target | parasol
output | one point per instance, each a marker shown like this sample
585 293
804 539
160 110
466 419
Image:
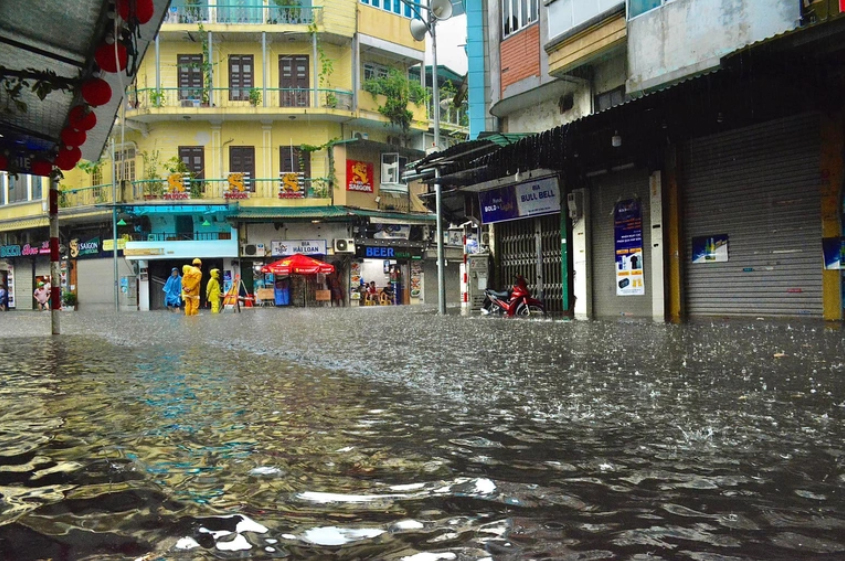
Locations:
298 264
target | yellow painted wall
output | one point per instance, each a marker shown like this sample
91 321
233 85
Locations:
338 17
588 45
393 28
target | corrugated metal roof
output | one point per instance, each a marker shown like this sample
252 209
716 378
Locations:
331 213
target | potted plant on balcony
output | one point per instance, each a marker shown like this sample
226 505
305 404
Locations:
176 165
254 97
157 98
399 91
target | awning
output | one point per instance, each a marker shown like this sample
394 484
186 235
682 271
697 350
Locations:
53 44
328 214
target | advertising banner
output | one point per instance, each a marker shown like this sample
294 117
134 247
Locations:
834 253
359 176
628 237
305 247
512 202
710 249
81 249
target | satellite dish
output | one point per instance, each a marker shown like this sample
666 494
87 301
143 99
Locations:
418 29
441 9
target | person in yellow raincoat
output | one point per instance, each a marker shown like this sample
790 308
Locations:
191 280
212 291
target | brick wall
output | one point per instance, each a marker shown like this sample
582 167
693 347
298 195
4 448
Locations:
520 56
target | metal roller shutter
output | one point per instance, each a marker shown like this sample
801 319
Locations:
95 282
760 186
606 191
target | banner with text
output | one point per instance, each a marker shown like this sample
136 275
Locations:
521 200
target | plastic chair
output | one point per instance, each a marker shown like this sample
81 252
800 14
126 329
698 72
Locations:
384 300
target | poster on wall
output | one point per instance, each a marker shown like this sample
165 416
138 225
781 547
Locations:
628 237
416 279
359 176
354 279
834 252
392 232
710 249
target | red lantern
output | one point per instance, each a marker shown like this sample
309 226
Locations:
96 92
42 168
81 119
68 157
4 162
143 10
72 137
105 57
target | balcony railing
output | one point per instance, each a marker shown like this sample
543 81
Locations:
190 98
177 237
85 196
198 11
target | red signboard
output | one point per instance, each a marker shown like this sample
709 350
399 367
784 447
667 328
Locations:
359 176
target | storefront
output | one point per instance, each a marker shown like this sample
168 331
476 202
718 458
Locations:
526 227
394 265
752 220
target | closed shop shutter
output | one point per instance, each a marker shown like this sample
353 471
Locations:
605 192
760 186
95 282
23 285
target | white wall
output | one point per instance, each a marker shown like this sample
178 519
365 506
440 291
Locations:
684 37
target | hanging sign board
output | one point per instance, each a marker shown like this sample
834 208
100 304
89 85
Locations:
359 176
305 247
521 200
628 237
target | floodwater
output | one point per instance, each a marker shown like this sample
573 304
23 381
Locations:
396 434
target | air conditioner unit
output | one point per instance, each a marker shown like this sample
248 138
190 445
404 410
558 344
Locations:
358 135
485 239
252 250
344 245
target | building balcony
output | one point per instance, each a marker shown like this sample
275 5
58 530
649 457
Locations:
212 101
193 12
176 236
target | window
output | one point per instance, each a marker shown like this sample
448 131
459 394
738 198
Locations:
194 159
18 188
240 77
190 76
398 7
374 71
37 184
392 165
97 176
124 162
294 159
242 160
294 81
637 7
564 15
607 100
518 14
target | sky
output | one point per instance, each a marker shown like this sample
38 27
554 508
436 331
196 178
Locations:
451 38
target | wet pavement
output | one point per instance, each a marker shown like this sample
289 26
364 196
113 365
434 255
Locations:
395 434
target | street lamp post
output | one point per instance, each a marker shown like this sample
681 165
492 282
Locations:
437 10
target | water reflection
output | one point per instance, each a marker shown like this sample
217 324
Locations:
396 434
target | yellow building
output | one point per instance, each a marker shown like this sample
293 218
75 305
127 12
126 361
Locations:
247 134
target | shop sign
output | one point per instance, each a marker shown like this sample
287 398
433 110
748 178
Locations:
27 250
386 252
305 247
236 187
834 253
143 251
80 249
176 187
628 237
392 231
515 201
108 244
710 249
291 185
359 176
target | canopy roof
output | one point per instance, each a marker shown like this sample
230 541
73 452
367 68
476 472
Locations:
298 264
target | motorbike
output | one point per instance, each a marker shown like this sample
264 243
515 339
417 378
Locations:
515 302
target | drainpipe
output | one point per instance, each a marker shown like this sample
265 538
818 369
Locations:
55 272
264 66
316 70
158 67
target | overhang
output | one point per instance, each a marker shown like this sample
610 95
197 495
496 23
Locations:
53 44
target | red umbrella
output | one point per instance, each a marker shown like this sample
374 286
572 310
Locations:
298 264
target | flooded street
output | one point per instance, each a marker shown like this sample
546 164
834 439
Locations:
395 434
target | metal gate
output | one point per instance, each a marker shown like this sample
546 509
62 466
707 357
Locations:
95 283
605 192
531 248
759 186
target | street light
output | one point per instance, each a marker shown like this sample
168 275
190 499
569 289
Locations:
438 10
